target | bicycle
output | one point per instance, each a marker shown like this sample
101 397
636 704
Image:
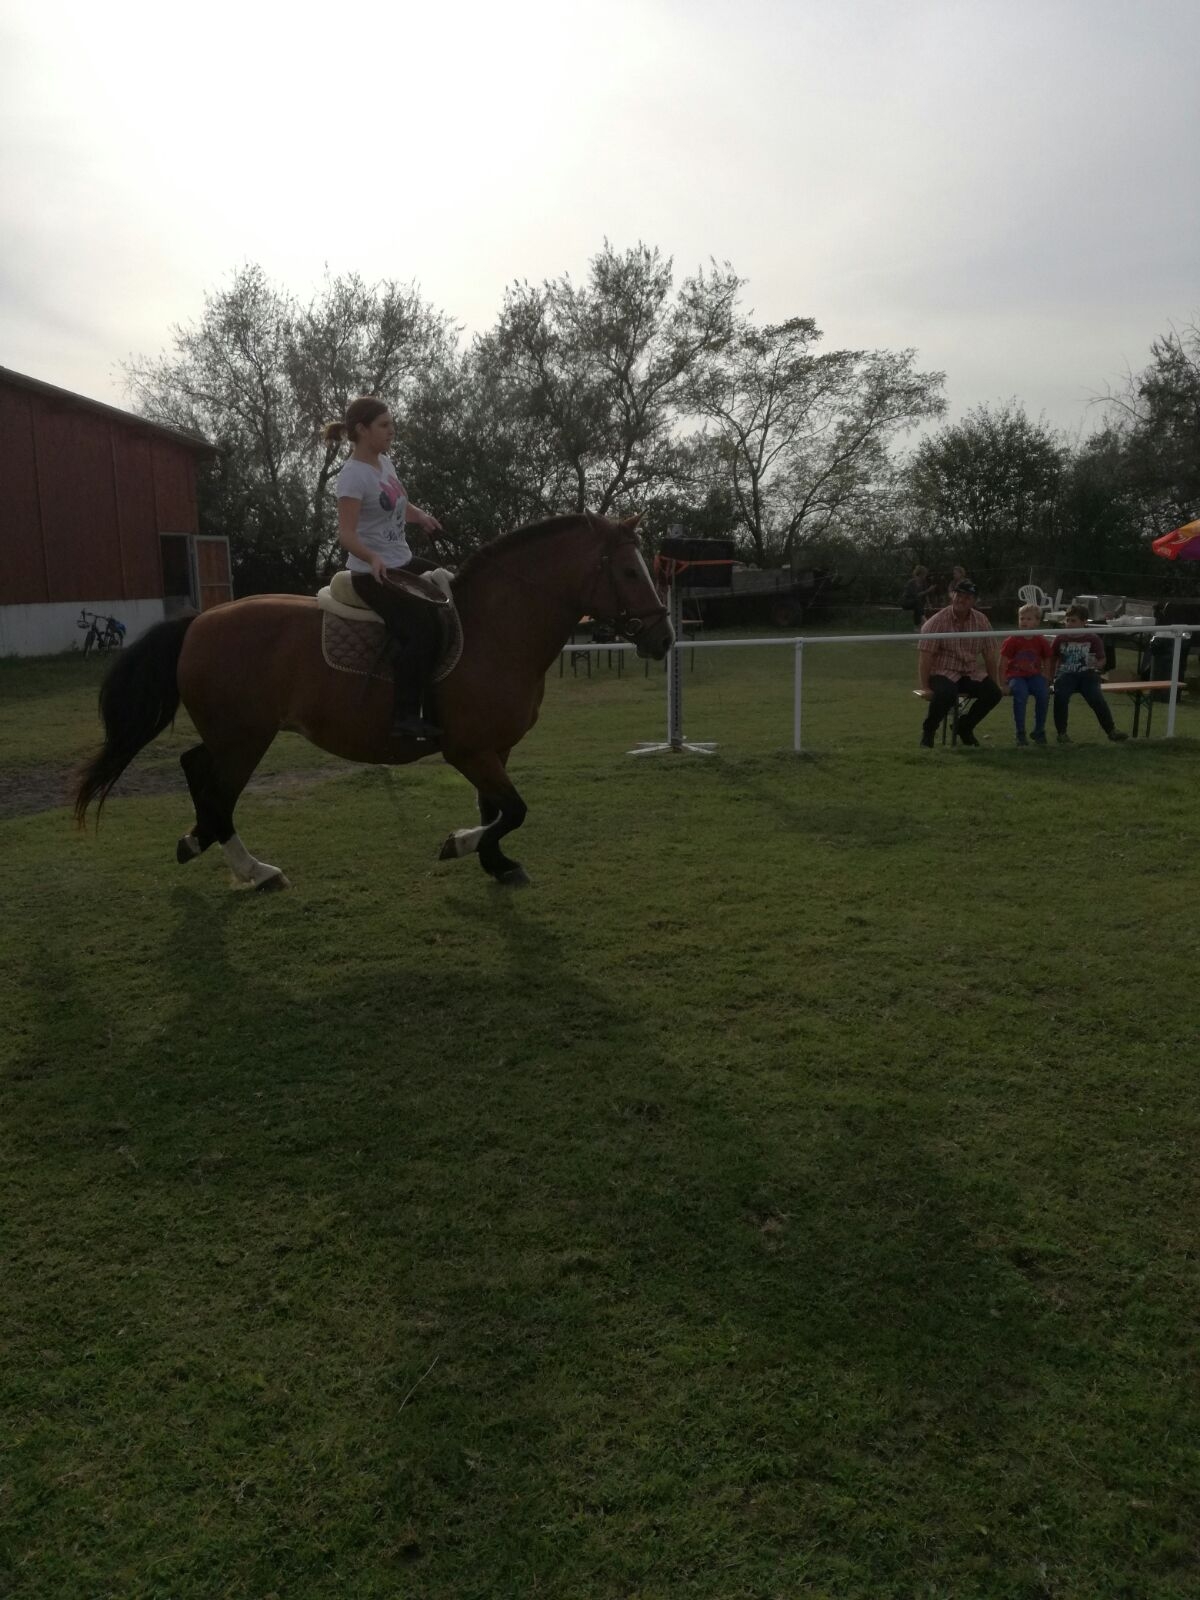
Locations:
109 637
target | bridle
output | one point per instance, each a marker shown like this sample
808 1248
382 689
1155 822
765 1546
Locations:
628 624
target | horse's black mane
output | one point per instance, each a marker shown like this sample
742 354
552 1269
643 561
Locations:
486 554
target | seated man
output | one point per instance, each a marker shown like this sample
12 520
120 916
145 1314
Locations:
950 667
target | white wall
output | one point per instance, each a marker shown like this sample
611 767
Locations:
48 630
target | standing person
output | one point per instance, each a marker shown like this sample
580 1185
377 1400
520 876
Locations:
948 668
373 511
916 593
1079 659
1024 659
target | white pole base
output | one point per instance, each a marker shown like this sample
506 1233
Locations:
702 749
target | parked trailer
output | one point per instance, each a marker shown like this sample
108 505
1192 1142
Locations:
769 596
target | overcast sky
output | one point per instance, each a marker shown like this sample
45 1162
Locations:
1010 188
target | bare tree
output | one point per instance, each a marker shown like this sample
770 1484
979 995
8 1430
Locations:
600 369
802 437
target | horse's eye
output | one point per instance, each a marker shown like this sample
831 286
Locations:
631 572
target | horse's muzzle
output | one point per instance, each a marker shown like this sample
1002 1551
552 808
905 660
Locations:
656 640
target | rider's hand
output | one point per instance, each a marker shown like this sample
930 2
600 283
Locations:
379 568
432 525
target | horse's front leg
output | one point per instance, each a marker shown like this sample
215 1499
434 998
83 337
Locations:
466 841
501 810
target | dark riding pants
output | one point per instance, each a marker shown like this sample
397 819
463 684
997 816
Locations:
412 624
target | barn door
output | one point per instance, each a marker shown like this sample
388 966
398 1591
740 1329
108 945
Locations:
176 552
214 583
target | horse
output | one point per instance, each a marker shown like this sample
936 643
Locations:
251 668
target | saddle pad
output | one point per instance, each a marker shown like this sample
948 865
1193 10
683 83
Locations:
355 647
360 647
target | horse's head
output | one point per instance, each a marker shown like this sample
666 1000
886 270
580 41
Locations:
623 593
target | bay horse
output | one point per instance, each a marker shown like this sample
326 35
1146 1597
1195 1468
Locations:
250 668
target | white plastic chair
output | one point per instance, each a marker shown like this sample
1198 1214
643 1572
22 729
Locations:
1031 594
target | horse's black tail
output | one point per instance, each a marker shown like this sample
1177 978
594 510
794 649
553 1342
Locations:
138 698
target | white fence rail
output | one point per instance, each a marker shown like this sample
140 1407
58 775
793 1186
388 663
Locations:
798 643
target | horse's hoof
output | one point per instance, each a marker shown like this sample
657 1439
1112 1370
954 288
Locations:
272 884
187 849
448 852
514 878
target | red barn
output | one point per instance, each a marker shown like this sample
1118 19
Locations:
97 513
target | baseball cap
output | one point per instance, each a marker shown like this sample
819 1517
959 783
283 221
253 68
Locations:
965 586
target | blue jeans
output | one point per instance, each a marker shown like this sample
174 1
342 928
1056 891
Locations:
1026 689
1088 685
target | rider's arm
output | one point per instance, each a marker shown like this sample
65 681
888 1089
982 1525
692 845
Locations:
421 519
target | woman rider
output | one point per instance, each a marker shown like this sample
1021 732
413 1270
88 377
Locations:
373 509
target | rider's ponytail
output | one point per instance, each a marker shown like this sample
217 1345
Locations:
360 413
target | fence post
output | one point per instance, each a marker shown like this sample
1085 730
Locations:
1176 653
798 694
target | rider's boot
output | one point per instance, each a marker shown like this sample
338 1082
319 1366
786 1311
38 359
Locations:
410 684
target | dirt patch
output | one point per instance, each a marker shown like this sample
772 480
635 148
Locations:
47 788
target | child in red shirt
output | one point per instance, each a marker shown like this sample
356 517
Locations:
1024 658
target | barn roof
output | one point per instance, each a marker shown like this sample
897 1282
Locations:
81 402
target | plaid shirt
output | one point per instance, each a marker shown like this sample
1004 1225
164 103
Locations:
956 658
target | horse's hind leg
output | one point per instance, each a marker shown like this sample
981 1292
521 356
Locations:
197 769
216 780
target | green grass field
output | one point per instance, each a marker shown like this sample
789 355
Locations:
794 1193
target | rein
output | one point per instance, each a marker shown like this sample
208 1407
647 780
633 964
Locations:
628 624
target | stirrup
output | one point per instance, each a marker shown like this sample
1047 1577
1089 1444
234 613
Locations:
411 725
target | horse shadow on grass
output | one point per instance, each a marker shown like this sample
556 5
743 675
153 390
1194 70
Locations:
829 808
589 1283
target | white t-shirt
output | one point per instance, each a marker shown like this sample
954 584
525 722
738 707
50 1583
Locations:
381 519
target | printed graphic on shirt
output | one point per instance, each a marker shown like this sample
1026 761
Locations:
380 525
1074 655
1023 658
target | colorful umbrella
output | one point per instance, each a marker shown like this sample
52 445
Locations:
1183 544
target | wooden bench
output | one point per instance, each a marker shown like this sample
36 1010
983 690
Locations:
1142 691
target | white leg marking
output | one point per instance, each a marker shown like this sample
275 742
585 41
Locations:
467 840
244 865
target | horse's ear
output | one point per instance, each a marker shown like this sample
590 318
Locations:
630 523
